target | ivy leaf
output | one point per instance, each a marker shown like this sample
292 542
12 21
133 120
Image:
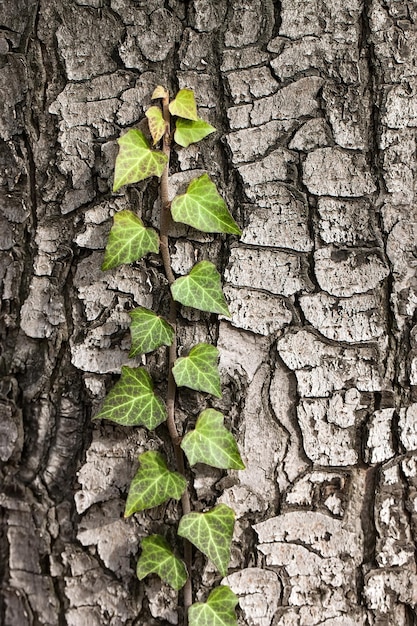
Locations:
132 401
199 370
212 443
201 289
156 123
136 160
129 240
211 533
219 610
190 131
153 484
184 105
149 331
159 92
202 207
158 558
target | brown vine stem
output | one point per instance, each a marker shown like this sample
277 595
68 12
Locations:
165 220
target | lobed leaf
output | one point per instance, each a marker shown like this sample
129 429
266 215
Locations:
136 160
191 131
159 92
219 610
158 558
199 370
156 123
148 331
132 401
202 207
211 443
184 105
129 240
153 484
211 533
201 289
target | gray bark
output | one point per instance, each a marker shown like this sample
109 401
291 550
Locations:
316 107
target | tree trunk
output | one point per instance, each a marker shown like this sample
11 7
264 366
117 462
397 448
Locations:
316 107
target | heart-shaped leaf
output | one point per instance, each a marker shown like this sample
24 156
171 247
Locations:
129 240
132 401
149 331
202 207
212 443
158 558
184 105
156 123
136 160
219 610
159 92
199 370
190 131
211 533
201 289
153 484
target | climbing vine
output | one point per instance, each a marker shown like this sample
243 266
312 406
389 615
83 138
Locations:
133 401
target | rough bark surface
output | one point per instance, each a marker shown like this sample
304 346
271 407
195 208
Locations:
316 104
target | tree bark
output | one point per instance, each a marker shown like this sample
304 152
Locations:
315 103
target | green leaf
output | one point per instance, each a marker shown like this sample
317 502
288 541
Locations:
136 160
132 401
149 331
158 558
128 240
212 443
219 610
156 123
184 105
159 92
199 370
189 131
202 207
153 484
201 289
211 533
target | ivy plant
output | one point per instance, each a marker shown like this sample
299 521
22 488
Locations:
133 400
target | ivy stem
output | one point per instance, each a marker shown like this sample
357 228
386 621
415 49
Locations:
165 221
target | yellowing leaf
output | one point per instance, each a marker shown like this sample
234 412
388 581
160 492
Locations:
189 131
159 92
156 123
136 160
184 105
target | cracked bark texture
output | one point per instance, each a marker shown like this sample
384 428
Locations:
316 106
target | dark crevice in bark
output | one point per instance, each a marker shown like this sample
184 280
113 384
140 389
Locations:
277 6
368 526
408 507
410 615
31 248
4 560
377 94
